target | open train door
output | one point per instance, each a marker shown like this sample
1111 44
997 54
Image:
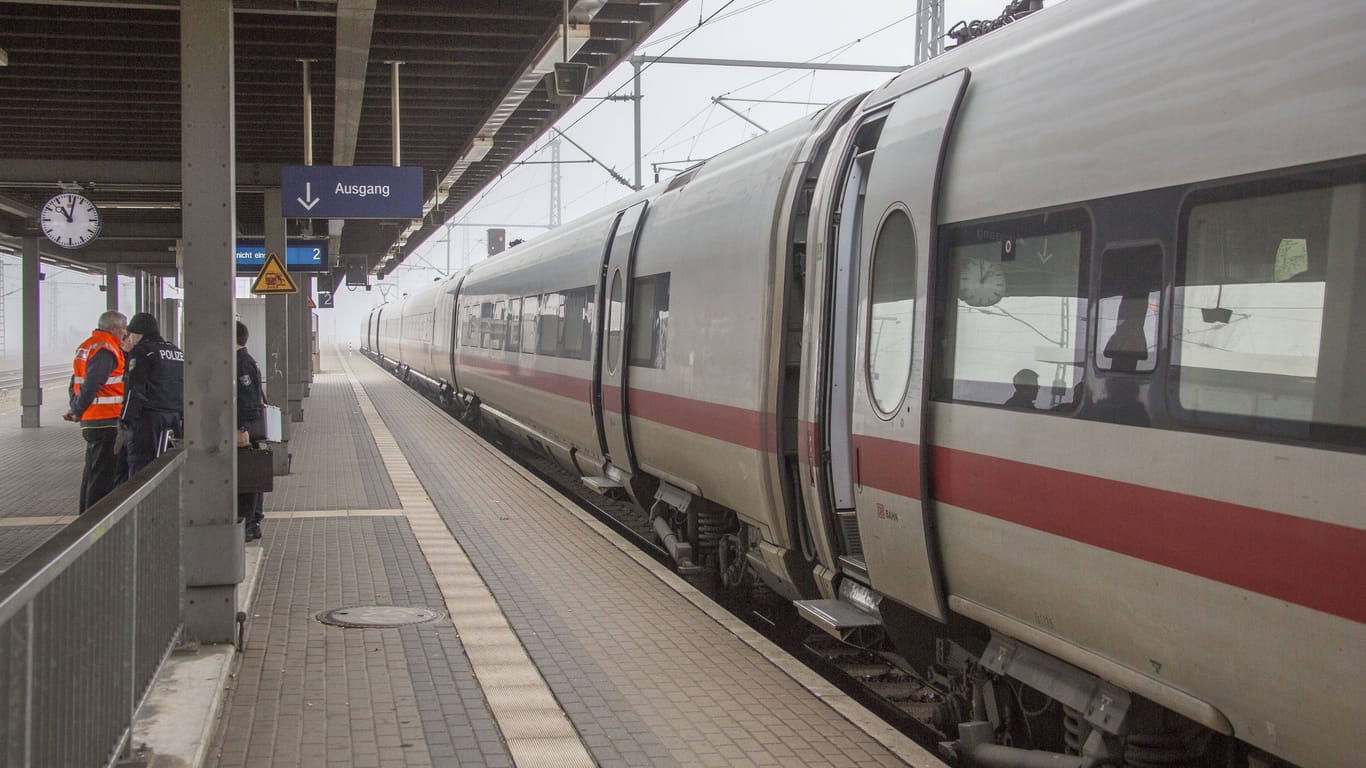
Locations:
889 384
610 386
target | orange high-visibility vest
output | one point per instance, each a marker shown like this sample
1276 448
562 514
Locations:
108 402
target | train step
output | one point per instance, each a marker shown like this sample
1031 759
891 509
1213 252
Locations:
605 486
847 622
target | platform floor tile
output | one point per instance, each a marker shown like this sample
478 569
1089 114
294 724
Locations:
645 676
335 463
309 694
41 466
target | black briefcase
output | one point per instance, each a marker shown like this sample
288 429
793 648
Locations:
255 470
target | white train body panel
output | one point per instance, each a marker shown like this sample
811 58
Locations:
1181 527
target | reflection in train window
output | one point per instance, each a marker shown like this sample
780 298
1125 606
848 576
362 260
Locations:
649 320
548 329
578 324
470 329
1015 312
891 316
530 305
1270 308
1127 309
514 325
615 318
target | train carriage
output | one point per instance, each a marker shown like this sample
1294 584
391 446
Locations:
1036 362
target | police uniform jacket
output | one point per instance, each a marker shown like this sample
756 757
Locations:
249 397
155 378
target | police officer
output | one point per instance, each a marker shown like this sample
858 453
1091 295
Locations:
154 403
96 400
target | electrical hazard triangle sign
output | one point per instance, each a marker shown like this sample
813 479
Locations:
273 279
311 305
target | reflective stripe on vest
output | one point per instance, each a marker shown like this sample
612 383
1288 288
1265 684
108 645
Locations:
108 402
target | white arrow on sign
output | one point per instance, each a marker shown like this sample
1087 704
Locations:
308 193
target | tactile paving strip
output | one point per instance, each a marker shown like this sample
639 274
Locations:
534 725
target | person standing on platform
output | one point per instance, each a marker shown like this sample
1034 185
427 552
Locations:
153 407
96 402
250 402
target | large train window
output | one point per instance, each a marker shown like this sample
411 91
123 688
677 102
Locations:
616 310
578 324
891 311
530 307
514 326
649 320
548 329
1014 311
1269 334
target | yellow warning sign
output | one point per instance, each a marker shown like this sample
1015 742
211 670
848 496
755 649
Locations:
273 278
311 305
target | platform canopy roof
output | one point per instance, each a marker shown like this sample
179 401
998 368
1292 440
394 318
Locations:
89 95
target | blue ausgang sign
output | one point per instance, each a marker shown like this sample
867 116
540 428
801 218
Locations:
305 254
350 192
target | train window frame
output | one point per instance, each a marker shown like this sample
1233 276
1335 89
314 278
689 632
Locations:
1285 181
1075 219
883 412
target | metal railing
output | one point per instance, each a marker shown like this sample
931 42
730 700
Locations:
86 620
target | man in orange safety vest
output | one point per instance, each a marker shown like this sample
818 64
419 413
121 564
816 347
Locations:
96 402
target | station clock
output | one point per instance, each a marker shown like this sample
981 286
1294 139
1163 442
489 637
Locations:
70 220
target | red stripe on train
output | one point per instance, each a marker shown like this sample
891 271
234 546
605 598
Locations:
1307 562
560 384
888 465
738 426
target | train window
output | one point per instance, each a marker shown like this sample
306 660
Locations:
1127 308
1270 308
490 334
615 318
530 306
649 320
578 323
891 311
514 326
548 329
470 337
1015 312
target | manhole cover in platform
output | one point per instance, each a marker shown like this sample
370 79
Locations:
378 616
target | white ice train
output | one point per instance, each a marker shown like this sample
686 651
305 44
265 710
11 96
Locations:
1045 363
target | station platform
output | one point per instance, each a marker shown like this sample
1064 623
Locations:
42 467
556 643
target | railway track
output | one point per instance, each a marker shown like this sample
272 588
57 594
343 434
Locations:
48 374
872 678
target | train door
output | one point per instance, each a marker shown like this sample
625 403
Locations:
610 370
888 378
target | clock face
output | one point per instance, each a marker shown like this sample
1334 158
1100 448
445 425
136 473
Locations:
982 283
70 220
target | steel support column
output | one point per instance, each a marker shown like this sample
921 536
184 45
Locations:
277 318
31 394
295 354
111 287
213 544
139 291
306 331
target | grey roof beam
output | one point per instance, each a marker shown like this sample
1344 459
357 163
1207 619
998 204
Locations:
50 171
